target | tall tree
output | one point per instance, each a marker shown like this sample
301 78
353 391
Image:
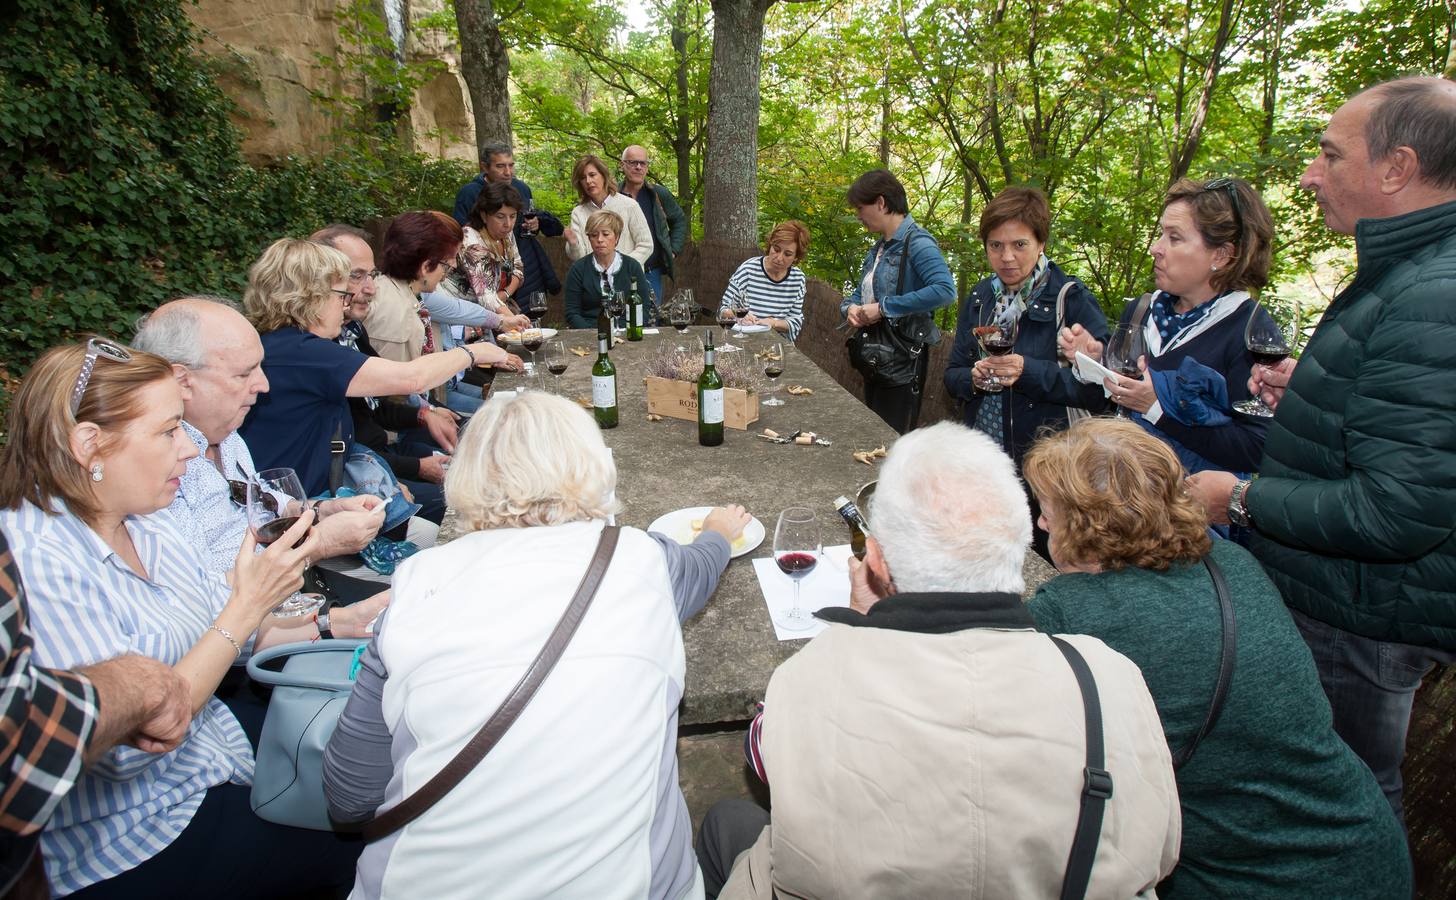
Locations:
730 177
485 65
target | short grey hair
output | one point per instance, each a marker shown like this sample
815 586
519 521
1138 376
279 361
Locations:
176 335
950 514
329 234
490 151
1418 112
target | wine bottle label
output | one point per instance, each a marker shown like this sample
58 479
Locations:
604 391
711 408
637 314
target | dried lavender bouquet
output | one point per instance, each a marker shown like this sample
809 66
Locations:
738 370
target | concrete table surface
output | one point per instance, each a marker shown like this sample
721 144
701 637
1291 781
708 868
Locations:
731 647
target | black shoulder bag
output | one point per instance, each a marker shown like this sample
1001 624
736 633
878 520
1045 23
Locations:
887 352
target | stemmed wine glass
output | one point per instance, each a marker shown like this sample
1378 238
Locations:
797 548
773 367
275 501
680 314
556 360
996 332
536 306
532 339
1124 348
616 308
727 318
1270 344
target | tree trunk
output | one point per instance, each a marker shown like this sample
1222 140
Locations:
682 143
885 111
730 177
486 68
1191 138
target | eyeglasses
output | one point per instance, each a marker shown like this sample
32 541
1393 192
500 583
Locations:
635 163
358 276
94 348
347 295
1230 185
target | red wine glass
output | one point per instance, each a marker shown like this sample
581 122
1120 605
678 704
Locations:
797 548
1124 348
1269 344
275 501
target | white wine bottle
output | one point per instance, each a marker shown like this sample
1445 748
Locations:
710 399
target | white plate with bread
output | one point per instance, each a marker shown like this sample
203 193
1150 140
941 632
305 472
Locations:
684 526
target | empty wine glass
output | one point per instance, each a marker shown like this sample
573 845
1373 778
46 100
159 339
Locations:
797 548
996 328
275 501
556 362
616 308
773 367
1270 344
1124 348
726 320
680 314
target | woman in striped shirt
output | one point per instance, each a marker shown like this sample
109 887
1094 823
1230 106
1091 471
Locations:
773 284
95 456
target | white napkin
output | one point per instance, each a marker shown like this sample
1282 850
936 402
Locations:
1090 371
827 585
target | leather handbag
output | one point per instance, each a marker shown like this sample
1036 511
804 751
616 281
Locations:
309 692
887 353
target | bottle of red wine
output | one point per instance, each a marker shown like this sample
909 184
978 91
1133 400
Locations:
710 399
604 386
636 311
856 523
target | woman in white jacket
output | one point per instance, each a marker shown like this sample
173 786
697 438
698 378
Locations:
597 191
580 798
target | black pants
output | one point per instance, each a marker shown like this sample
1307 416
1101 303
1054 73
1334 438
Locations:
900 406
729 828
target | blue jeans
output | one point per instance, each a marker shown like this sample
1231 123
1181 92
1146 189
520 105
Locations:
1372 686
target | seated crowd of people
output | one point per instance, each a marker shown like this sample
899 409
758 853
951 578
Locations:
1227 584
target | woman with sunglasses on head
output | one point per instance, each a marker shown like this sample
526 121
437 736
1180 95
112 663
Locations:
1214 247
95 455
296 296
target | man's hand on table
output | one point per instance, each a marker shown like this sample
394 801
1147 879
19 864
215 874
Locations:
728 521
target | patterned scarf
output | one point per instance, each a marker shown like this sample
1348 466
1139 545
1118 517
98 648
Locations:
989 416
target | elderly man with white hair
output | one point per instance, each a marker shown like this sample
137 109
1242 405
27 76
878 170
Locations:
931 743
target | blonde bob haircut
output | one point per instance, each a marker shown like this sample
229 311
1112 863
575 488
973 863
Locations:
794 233
290 283
37 465
531 459
1118 495
605 219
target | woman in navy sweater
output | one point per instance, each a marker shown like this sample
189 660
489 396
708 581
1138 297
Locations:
1214 246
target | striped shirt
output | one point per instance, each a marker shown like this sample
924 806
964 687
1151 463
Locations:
768 298
87 605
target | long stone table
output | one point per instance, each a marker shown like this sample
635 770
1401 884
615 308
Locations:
731 647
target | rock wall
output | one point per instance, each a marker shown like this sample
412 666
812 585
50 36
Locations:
266 49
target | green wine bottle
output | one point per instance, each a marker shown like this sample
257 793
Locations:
710 399
636 310
604 386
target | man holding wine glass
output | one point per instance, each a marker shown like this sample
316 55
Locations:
1351 514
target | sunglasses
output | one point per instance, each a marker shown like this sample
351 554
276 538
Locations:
95 348
238 493
1231 186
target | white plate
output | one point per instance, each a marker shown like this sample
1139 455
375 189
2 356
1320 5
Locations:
751 329
679 526
514 337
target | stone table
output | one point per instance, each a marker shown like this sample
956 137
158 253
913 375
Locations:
731 647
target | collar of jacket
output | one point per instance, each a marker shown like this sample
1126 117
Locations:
936 613
1398 236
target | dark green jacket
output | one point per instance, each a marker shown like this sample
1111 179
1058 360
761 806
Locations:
671 225
1356 502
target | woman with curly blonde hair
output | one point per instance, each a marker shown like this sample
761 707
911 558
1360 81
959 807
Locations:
1274 803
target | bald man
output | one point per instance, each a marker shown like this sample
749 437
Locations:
668 223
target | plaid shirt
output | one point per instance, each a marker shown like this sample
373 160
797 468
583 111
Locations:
47 717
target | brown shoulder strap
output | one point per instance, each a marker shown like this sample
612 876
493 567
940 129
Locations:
413 806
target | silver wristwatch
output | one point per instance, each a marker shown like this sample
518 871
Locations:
323 622
1238 513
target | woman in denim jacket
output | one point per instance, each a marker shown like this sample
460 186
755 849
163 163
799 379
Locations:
886 293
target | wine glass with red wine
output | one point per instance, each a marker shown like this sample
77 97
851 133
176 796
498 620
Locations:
773 367
797 548
680 314
556 360
536 307
727 318
1124 348
1270 344
996 332
275 501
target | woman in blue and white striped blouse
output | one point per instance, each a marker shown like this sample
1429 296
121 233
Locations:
95 456
773 284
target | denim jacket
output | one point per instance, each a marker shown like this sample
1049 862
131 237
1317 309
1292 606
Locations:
928 283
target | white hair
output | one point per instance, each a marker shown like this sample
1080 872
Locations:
950 514
532 459
173 330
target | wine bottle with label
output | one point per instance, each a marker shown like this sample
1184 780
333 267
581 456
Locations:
636 309
604 386
710 399
850 513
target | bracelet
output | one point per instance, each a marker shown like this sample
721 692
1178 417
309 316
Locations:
230 639
468 353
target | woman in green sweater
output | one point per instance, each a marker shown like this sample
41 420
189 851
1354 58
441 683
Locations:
1275 805
602 272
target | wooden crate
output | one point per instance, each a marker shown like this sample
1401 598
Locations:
679 399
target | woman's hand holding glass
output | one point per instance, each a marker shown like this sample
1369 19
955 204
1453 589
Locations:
1002 370
262 580
1135 394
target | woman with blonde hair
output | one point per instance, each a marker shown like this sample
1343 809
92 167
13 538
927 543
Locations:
1274 803
296 296
605 271
772 285
580 797
597 190
96 453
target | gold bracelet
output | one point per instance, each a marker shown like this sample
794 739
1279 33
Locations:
230 639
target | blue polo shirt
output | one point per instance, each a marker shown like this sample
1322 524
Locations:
293 424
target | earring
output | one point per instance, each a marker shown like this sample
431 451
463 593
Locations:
96 471
1213 268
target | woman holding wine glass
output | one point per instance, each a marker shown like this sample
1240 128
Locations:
1214 247
95 455
593 279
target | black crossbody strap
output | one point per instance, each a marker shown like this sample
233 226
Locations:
1096 781
337 449
1227 652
